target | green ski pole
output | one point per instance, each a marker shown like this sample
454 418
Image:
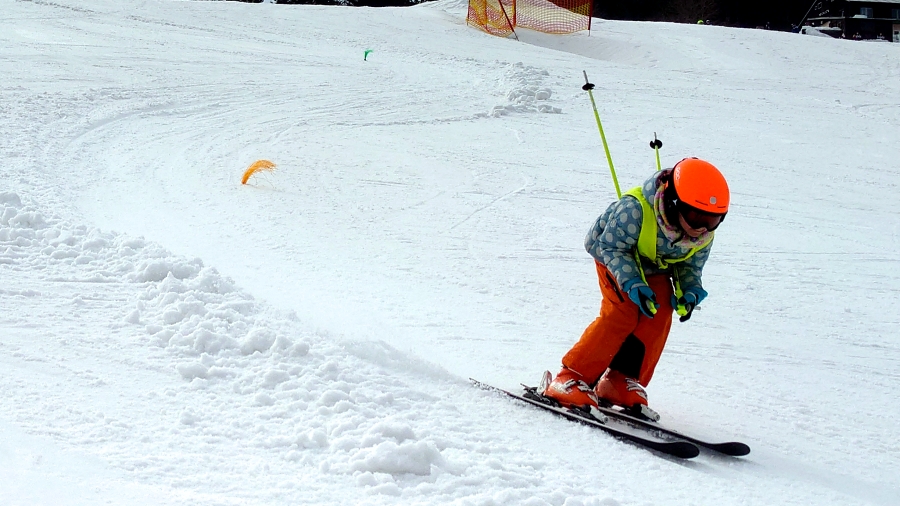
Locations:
588 87
656 144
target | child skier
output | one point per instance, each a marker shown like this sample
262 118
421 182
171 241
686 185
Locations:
649 248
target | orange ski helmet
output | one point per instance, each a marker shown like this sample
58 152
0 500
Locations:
699 184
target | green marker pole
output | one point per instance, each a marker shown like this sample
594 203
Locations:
366 54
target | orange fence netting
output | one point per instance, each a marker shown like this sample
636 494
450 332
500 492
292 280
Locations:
501 17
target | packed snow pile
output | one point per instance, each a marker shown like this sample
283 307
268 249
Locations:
230 388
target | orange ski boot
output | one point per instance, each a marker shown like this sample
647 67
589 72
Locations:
619 390
569 389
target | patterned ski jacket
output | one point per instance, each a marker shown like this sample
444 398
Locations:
612 241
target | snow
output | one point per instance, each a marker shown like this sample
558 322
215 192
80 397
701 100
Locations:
170 336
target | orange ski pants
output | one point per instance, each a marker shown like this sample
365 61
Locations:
619 318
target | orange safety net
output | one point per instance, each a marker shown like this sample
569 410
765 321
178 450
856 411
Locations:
501 17
496 17
556 16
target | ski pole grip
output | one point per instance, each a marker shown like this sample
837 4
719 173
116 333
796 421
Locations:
588 86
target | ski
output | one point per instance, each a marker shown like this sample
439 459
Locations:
731 448
676 448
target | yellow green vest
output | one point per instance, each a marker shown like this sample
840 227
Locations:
649 231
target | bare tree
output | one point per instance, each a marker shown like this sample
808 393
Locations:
691 11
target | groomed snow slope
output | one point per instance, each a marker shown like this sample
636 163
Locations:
169 336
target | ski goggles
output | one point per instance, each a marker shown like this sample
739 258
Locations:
698 219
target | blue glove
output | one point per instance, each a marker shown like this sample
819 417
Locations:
643 297
698 292
688 301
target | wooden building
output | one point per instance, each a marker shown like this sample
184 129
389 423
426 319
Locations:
857 19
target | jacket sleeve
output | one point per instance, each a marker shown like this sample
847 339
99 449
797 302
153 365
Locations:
690 271
613 239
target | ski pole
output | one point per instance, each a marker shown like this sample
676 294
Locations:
588 86
656 144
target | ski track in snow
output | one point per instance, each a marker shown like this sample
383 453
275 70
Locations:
424 225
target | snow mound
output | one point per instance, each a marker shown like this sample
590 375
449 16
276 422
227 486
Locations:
525 91
200 373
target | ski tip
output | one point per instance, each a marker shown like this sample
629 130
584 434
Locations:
734 448
682 449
